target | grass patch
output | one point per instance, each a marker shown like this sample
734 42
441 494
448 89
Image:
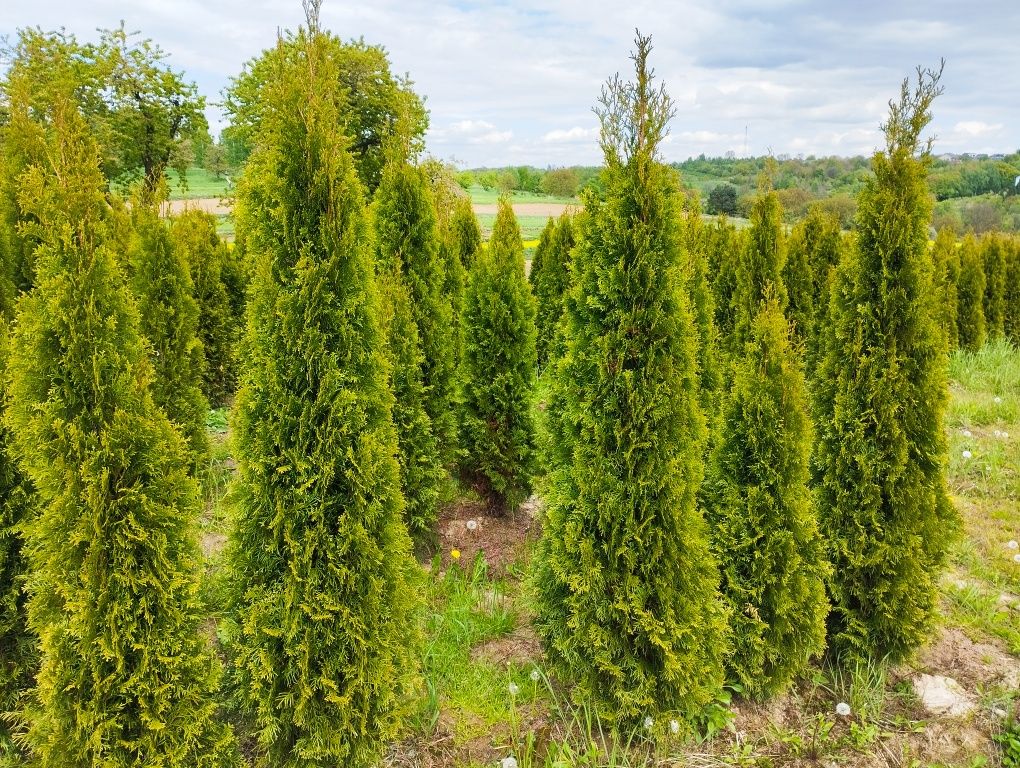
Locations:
483 196
199 183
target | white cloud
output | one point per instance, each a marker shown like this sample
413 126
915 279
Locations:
577 133
976 128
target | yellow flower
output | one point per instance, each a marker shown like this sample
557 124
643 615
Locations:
455 554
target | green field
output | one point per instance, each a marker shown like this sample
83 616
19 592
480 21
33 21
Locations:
200 184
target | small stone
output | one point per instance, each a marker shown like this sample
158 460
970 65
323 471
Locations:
998 712
942 695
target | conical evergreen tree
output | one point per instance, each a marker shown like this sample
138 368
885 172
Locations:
408 240
764 525
126 678
947 273
203 253
323 627
818 234
970 293
884 507
169 322
421 472
498 376
448 198
723 244
800 286
626 588
993 256
550 276
762 263
1011 322
467 234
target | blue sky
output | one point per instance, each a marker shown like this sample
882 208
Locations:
514 82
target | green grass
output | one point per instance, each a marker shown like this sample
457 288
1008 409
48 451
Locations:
531 226
200 184
483 196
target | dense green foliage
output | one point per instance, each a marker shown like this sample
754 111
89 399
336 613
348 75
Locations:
549 278
993 257
377 106
408 242
169 319
799 281
761 265
881 454
498 370
970 293
457 244
627 598
946 258
323 626
205 255
764 529
126 677
140 112
722 245
1012 297
695 242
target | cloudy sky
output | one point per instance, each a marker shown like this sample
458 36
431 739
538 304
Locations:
513 82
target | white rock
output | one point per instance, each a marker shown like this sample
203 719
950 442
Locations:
942 695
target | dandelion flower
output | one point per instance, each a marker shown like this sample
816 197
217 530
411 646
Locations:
455 554
967 433
998 400
674 727
1016 558
1005 435
649 722
843 709
514 690
967 454
1012 544
508 762
535 675
997 433
471 524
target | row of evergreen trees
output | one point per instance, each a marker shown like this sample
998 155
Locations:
690 536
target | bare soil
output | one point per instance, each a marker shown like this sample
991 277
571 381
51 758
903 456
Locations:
501 538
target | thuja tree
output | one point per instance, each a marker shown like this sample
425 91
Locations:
421 472
498 371
126 677
763 521
881 453
203 253
550 276
993 256
408 241
627 596
17 644
722 247
169 318
1011 323
800 288
947 274
818 236
466 232
322 626
970 293
761 263
448 199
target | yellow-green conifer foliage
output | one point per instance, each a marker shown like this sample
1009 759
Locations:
408 241
498 372
763 520
164 290
946 257
549 277
993 256
884 507
323 628
1011 322
126 677
761 264
817 237
628 605
970 295
205 255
